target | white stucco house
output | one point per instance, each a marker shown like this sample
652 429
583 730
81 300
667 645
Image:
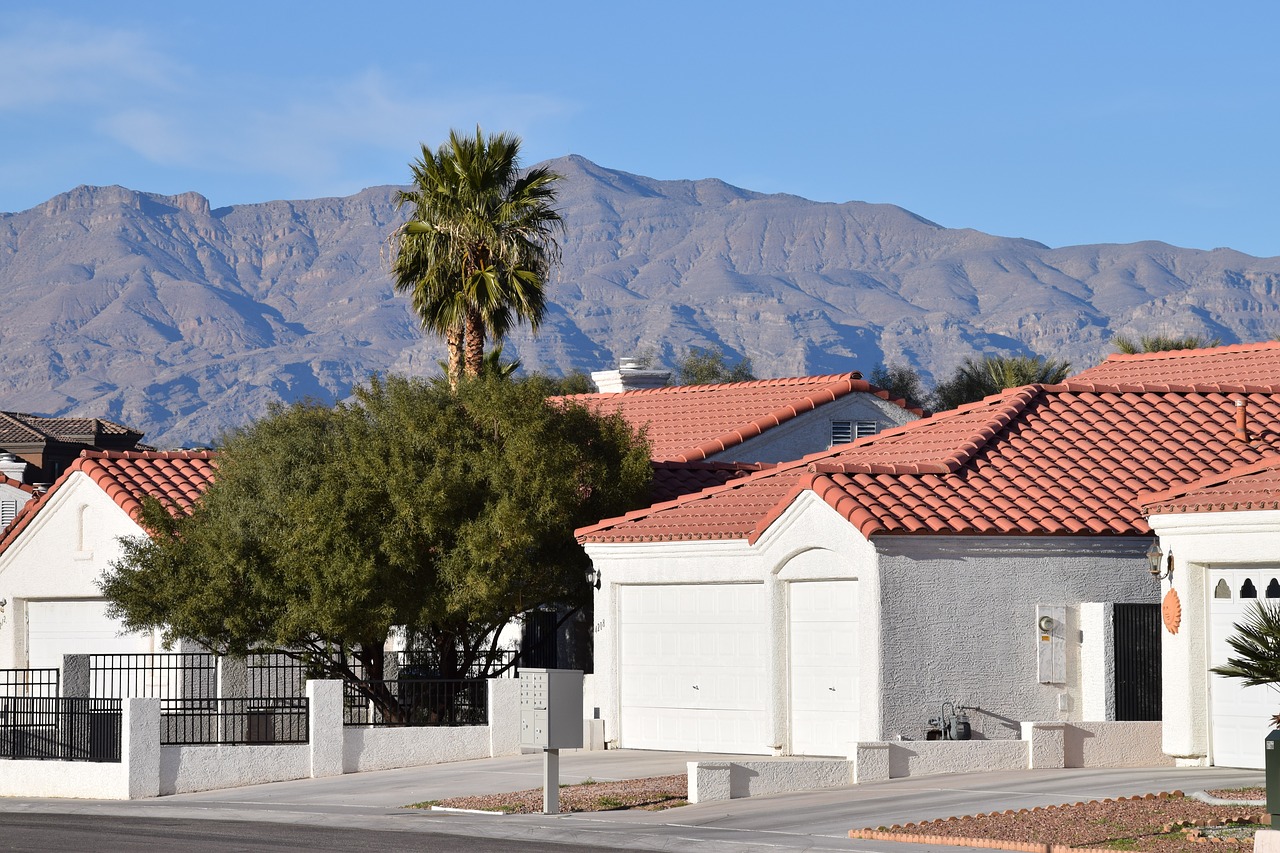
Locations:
988 557
60 544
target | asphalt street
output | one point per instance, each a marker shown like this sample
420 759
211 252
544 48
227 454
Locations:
322 813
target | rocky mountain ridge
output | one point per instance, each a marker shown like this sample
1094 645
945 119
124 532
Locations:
182 320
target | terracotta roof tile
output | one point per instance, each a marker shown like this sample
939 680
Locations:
674 479
1244 487
1058 459
175 478
689 423
1242 368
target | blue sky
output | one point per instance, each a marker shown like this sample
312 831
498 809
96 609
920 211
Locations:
1066 123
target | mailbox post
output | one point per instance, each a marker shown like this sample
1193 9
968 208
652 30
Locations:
551 720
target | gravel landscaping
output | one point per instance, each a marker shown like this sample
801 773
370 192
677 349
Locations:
1167 823
652 794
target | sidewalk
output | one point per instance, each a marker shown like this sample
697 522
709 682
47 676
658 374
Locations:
805 821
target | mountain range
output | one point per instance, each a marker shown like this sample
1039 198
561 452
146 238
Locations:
181 320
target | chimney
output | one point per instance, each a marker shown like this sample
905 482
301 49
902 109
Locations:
629 376
13 467
1242 420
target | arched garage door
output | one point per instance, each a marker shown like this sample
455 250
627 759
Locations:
1240 717
691 668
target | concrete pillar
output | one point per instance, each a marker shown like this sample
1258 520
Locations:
75 676
504 716
775 667
140 746
233 677
1184 659
1097 662
325 724
871 762
1047 745
709 781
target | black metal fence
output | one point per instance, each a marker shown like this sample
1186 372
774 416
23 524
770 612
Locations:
42 727
170 675
419 663
207 722
417 702
29 682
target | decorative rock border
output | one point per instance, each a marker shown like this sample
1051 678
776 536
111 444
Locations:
925 837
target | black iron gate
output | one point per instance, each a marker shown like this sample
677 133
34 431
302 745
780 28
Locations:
1136 632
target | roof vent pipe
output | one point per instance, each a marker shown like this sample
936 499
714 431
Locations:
1242 420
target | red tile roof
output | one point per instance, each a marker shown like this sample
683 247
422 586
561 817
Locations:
689 423
22 428
673 479
1240 366
1245 487
175 478
1062 459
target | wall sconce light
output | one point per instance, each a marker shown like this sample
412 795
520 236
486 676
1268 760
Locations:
593 577
1155 558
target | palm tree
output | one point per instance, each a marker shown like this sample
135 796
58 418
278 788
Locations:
975 379
476 251
1256 647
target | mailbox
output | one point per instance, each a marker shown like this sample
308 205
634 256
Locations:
1272 765
551 708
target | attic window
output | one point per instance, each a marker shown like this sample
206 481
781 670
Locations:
843 432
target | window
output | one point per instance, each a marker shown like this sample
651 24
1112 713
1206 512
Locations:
843 432
1248 590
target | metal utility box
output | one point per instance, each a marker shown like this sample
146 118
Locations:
551 708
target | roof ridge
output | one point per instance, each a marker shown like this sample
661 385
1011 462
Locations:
148 454
1178 490
1164 355
1015 402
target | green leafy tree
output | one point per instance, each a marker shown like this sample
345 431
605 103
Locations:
444 513
479 245
1256 649
699 366
1160 343
901 380
975 379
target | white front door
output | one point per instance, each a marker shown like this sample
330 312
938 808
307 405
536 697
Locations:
823 653
55 628
691 664
1240 717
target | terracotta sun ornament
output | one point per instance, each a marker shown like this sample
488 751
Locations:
1171 610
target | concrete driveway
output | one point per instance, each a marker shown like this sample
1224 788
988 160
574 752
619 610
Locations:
807 821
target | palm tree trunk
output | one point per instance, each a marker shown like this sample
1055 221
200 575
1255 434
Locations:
453 339
475 343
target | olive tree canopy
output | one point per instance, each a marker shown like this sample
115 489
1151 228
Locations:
445 514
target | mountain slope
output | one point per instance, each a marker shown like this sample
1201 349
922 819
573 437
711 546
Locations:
184 321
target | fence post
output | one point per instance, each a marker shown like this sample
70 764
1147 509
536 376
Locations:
140 746
75 676
232 683
504 716
324 723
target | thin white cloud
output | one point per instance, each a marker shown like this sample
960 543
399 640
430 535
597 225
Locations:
312 138
46 62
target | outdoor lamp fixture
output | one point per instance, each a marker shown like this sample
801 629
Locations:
1155 557
593 577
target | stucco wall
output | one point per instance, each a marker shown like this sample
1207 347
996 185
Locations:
385 748
60 555
811 431
184 769
959 623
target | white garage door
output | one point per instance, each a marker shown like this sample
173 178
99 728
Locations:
1240 716
823 650
55 628
692 668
